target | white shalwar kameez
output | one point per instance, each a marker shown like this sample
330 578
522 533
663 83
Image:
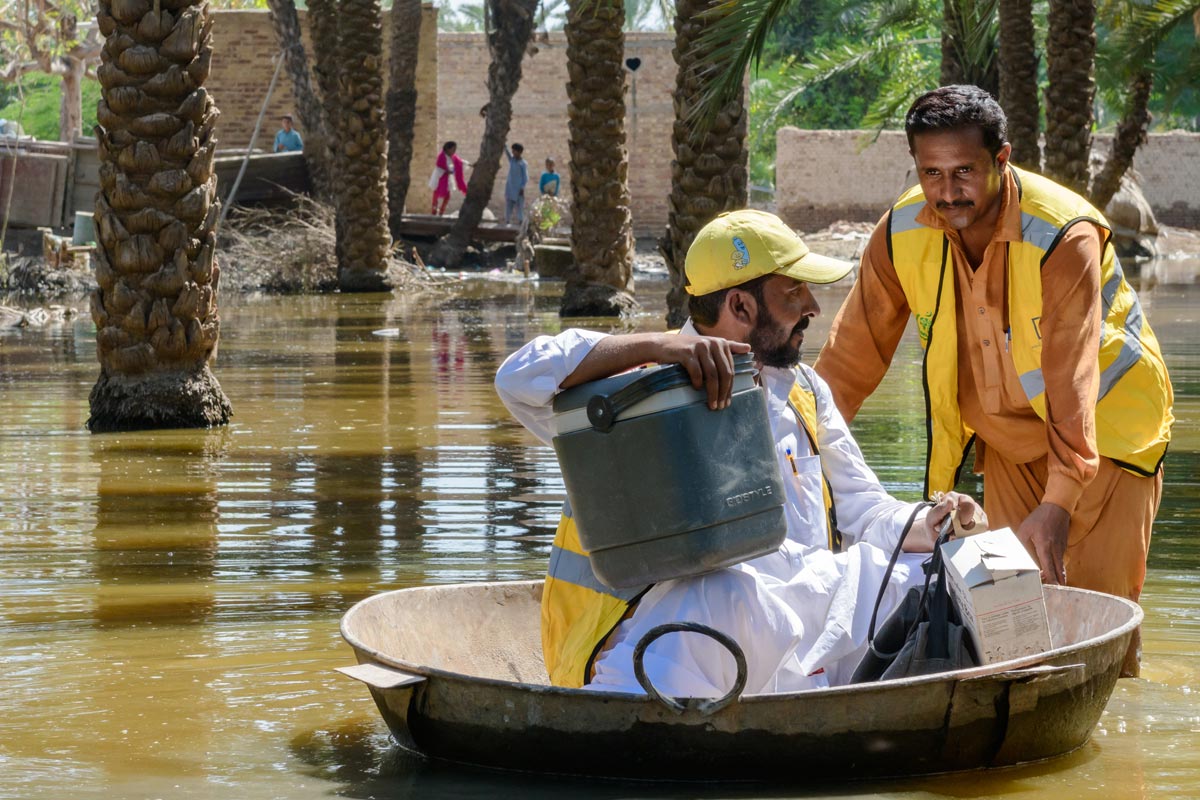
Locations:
800 614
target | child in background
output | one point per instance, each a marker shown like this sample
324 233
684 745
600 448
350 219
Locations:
549 182
514 188
448 163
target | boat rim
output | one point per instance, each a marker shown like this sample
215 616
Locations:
960 674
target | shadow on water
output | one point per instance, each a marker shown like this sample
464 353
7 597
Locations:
366 765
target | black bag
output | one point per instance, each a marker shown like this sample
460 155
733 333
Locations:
925 633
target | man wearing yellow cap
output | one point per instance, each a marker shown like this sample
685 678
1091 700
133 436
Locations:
801 613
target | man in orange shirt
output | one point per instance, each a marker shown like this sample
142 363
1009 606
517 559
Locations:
1035 348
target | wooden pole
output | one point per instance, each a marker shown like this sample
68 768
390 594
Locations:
262 112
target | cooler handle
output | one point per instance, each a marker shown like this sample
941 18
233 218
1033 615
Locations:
603 410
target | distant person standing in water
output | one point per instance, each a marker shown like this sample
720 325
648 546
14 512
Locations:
448 164
514 188
287 140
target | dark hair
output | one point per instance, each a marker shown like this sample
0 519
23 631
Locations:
288 117
705 309
953 107
518 148
448 145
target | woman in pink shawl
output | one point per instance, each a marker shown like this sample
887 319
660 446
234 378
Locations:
447 164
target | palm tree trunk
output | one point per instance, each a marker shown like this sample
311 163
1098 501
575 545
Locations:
401 105
155 307
363 266
1071 68
1018 81
1131 134
70 109
602 227
512 27
710 175
323 26
287 31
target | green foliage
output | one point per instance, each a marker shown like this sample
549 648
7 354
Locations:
43 95
462 18
1159 34
836 65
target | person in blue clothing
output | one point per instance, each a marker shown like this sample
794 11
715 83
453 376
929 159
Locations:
514 188
288 140
549 182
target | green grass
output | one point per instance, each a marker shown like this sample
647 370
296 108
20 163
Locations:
42 97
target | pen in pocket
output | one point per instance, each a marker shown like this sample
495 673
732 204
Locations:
792 461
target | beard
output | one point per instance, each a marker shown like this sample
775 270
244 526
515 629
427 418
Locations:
771 349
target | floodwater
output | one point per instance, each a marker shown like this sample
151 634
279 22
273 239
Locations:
169 601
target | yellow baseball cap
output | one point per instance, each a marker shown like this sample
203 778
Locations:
739 246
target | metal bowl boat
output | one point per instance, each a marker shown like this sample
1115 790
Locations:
457 674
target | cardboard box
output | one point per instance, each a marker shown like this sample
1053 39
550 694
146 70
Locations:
998 590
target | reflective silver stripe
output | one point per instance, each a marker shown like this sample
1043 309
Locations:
1033 383
1131 350
575 568
1038 232
1108 293
905 219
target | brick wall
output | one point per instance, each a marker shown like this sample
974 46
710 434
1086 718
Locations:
452 77
540 115
825 176
244 44
1169 164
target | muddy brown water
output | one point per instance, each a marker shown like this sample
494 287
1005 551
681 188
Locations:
169 601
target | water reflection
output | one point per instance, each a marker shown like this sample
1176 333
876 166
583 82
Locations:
169 602
155 538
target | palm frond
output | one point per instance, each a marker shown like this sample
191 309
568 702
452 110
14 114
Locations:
825 65
1141 28
896 13
1175 82
728 46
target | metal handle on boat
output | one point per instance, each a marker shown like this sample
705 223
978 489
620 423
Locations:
704 705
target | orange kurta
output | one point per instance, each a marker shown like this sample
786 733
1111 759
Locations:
1025 460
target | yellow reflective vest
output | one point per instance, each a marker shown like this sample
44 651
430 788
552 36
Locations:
579 612
1133 411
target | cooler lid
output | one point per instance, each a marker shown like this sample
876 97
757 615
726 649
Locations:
638 392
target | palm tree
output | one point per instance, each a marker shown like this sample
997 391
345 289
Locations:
155 307
969 44
401 104
508 38
1071 71
710 172
895 41
1130 52
952 68
363 266
323 27
1019 80
287 31
602 226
